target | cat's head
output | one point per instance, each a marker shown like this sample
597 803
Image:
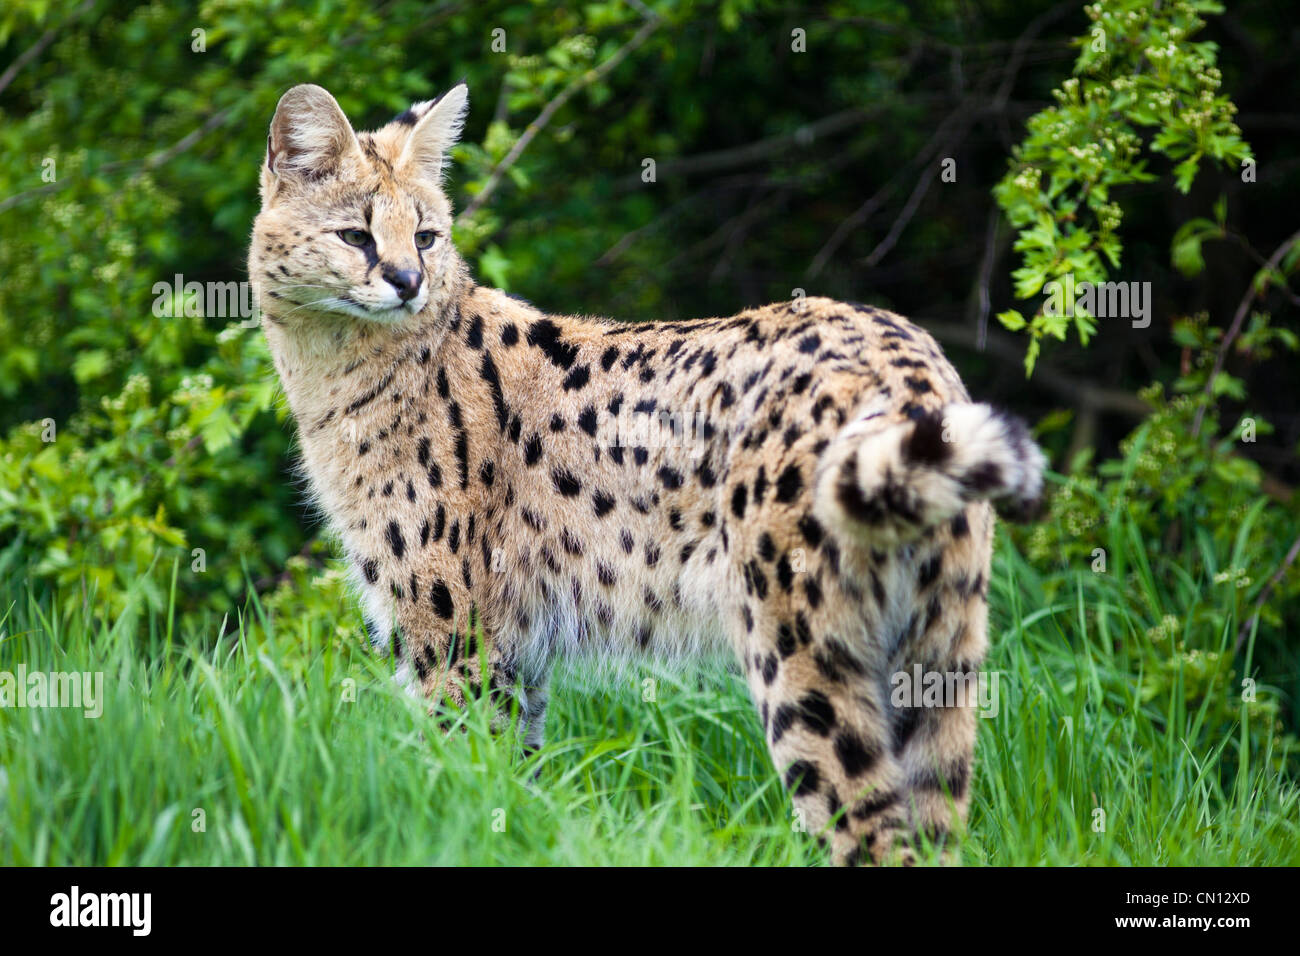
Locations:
352 224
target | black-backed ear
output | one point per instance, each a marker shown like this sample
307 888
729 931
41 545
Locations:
436 129
309 135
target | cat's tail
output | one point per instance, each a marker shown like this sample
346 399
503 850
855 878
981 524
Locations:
889 480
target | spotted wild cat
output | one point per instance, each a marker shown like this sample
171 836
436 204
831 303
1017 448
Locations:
823 512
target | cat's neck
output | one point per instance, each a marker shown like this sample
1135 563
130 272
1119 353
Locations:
322 356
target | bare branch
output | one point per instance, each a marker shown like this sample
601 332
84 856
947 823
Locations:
152 161
756 151
1235 328
551 108
37 48
1268 590
1074 391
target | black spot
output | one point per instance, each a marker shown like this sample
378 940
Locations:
533 450
982 478
811 530
929 571
672 479
738 497
440 597
874 803
577 378
488 371
813 591
565 482
603 503
817 713
609 357
769 669
371 570
545 335
789 484
766 547
474 335
557 423
569 541
785 643
802 778
784 574
925 446
587 420
856 756
509 334
782 720
395 540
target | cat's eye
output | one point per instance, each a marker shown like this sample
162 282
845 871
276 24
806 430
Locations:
355 237
425 238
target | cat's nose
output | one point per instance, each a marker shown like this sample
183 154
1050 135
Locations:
405 281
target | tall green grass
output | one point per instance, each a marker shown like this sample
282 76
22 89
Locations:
265 740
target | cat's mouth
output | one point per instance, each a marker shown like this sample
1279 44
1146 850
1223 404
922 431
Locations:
346 304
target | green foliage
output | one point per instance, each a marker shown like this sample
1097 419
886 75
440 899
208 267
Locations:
1138 70
1177 540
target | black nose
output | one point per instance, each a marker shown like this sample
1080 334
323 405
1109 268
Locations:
405 281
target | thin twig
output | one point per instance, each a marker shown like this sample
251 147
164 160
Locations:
551 108
991 255
963 118
37 48
868 209
1268 590
1075 391
1235 328
152 161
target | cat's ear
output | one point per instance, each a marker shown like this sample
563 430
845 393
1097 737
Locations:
309 135
435 130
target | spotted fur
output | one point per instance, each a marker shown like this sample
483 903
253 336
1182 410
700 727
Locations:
804 487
